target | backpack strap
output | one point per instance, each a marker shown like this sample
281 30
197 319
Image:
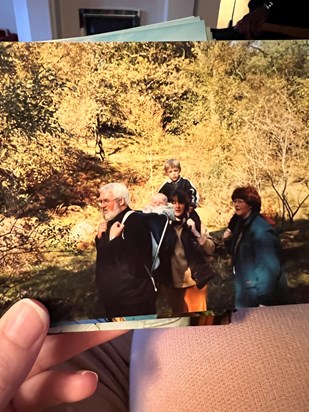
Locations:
125 217
156 260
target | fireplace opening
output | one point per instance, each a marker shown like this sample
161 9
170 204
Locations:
95 21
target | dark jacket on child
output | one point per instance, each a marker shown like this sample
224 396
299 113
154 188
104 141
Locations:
183 184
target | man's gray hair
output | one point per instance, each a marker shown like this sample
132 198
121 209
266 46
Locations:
119 190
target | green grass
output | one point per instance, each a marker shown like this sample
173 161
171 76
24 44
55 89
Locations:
67 288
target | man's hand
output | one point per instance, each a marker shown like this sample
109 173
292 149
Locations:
101 229
26 355
250 25
116 230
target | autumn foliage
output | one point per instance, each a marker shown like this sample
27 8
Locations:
73 115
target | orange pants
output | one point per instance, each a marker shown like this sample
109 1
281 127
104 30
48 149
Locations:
189 299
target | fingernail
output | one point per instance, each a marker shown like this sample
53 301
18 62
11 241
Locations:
89 373
25 322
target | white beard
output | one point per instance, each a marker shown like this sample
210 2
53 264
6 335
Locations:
111 214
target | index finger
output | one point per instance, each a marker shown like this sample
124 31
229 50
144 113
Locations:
59 348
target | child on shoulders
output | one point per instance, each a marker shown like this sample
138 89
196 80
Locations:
175 181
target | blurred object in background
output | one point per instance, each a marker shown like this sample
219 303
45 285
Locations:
6 35
268 20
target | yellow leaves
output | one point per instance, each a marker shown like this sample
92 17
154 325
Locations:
231 106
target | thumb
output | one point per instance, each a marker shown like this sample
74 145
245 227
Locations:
23 329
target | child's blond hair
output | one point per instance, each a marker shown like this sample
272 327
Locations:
172 163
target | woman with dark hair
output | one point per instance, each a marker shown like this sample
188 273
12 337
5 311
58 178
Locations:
188 262
256 253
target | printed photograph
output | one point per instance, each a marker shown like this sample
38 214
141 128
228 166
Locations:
153 184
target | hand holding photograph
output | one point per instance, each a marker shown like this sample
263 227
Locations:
153 184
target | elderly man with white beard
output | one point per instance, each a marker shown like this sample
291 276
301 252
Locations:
124 252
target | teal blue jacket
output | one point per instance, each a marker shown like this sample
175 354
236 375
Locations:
256 255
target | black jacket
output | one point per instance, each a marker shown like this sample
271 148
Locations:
181 184
124 285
